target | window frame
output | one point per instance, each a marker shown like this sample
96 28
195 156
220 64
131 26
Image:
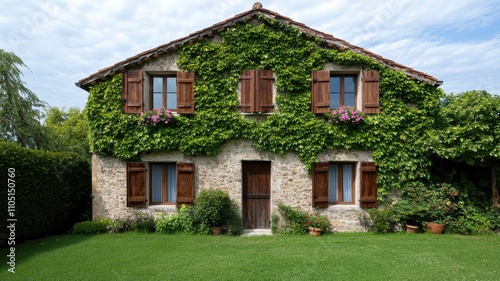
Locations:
164 183
339 183
164 90
342 89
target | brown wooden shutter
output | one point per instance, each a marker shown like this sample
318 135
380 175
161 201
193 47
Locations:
136 185
369 187
320 185
320 91
132 91
256 91
185 92
264 91
185 184
371 92
247 91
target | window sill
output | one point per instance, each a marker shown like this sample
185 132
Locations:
162 207
344 206
256 116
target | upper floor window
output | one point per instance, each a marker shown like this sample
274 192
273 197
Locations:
174 92
342 91
331 90
164 92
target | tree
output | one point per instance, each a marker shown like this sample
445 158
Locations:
19 107
68 130
469 132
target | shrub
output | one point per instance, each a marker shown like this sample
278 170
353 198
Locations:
212 207
382 220
119 225
440 201
275 221
181 222
294 220
91 227
167 224
471 222
409 212
53 190
139 221
494 217
234 222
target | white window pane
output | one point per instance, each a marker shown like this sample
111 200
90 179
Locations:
171 85
333 171
334 100
171 183
334 84
349 84
157 100
349 99
157 84
156 182
347 183
172 101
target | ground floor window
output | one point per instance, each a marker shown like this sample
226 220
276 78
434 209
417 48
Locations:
341 183
163 183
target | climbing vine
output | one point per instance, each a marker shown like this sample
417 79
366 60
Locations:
398 135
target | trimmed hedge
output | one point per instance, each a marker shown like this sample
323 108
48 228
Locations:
52 191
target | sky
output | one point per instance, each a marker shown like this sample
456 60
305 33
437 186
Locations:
63 41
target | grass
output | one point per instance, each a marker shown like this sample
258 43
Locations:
339 256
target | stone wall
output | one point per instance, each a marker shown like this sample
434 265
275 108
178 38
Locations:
109 187
290 183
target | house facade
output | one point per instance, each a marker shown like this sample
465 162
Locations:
260 106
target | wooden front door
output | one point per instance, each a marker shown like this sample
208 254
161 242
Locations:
256 194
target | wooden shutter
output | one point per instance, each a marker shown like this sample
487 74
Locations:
320 91
256 91
264 91
185 184
371 92
320 185
185 92
369 187
132 92
136 185
247 91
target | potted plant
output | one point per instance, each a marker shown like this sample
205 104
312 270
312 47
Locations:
439 203
212 208
317 224
442 198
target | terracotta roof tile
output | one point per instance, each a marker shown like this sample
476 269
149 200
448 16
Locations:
217 27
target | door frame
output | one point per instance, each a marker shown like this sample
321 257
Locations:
261 217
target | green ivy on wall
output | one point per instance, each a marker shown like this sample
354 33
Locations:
398 135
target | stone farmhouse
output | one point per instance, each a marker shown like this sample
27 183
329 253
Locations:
162 166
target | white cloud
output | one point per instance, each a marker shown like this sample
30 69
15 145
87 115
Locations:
63 41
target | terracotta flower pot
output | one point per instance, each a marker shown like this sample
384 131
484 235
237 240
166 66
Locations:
315 231
435 228
216 230
411 228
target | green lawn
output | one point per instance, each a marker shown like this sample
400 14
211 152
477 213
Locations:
339 256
